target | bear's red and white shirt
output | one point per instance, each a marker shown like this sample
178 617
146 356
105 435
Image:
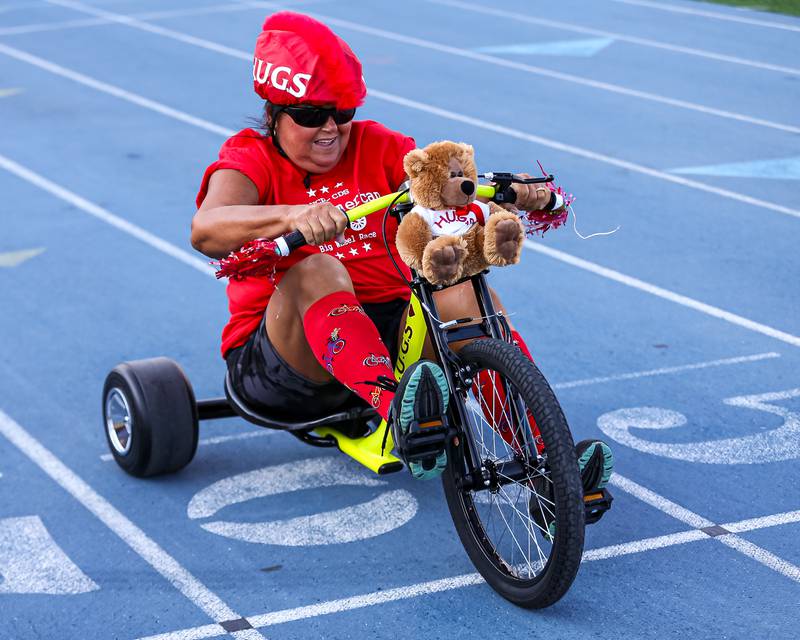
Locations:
453 222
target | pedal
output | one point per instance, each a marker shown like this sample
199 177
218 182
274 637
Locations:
424 441
596 504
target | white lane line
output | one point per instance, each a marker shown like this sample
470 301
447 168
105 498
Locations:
106 216
645 42
564 257
759 554
107 457
412 104
647 544
94 22
660 502
666 294
151 28
496 61
481 57
110 89
471 579
149 550
666 370
710 14
581 152
765 521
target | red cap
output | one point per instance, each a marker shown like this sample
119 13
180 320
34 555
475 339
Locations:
300 60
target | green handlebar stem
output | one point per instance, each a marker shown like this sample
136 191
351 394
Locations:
484 190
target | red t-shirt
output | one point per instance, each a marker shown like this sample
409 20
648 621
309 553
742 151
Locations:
371 166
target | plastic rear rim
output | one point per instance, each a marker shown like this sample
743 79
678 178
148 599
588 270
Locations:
119 421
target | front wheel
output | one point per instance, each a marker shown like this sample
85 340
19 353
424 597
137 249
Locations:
513 486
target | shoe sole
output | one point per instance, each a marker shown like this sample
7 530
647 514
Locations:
596 465
425 396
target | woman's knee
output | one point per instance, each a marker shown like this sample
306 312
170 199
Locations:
315 277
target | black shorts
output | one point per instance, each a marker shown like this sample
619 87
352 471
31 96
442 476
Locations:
263 379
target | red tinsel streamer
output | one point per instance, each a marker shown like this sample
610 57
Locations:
256 258
540 221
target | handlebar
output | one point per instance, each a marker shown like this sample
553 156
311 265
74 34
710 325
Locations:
501 193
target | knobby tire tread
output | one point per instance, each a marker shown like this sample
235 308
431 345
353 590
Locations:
562 567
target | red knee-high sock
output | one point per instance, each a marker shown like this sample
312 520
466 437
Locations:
493 402
346 342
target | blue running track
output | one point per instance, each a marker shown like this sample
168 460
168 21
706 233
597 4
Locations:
677 339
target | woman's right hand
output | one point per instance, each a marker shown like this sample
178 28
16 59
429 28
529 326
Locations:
318 222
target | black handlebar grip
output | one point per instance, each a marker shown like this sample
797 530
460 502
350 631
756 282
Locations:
505 196
295 240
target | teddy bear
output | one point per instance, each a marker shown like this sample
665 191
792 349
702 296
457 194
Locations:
448 235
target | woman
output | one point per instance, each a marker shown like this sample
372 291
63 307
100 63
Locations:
331 323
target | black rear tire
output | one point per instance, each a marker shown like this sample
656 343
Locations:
150 417
542 580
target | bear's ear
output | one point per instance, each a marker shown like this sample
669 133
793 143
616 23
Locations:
466 152
414 162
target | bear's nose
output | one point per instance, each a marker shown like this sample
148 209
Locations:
468 187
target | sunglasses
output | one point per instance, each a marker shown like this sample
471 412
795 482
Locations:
308 116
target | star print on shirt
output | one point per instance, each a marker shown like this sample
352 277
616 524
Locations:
340 256
367 246
324 189
312 193
354 251
338 184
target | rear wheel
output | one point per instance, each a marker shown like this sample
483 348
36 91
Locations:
515 495
150 417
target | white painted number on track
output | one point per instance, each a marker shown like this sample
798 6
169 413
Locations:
775 445
382 514
32 562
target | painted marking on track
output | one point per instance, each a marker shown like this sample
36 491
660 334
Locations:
107 457
710 14
152 553
583 153
774 445
572 48
388 511
663 371
481 57
413 104
666 294
7 93
32 562
584 264
778 169
16 258
698 522
621 37
200 265
105 215
495 62
471 579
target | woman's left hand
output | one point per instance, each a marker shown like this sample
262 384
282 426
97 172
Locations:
531 197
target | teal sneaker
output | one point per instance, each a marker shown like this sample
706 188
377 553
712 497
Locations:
417 418
596 462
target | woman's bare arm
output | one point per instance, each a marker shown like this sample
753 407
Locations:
230 216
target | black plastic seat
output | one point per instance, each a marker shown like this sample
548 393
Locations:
354 411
